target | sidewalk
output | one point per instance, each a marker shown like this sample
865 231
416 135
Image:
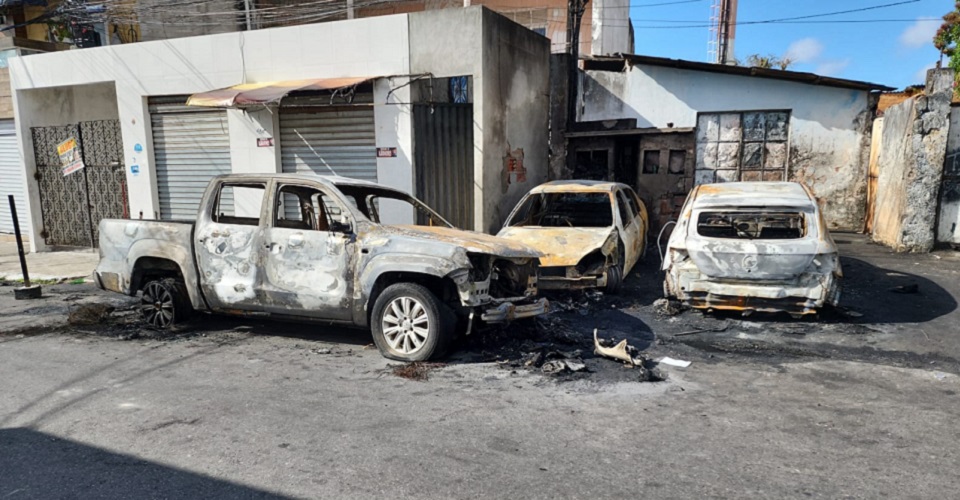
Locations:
47 265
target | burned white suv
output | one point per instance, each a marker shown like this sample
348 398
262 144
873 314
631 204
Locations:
752 246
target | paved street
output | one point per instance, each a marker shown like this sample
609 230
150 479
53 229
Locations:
861 404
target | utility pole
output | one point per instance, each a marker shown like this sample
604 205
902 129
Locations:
575 10
246 12
726 32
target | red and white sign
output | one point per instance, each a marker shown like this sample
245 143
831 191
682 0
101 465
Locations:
386 152
265 142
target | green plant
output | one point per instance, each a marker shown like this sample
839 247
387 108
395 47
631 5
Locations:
946 40
768 62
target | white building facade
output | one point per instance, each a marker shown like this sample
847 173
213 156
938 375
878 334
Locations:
475 80
742 124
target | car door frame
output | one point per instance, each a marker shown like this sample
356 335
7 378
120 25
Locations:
293 283
629 232
227 254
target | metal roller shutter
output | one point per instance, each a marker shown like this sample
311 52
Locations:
324 141
11 178
190 146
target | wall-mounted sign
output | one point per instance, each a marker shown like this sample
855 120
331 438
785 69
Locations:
386 152
135 170
69 156
265 142
137 148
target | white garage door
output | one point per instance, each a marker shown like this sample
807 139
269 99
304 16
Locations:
190 146
11 179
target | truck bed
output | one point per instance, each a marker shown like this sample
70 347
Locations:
123 242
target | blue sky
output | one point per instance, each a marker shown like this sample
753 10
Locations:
890 53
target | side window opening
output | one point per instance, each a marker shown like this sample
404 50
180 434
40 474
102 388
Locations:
239 204
306 209
626 214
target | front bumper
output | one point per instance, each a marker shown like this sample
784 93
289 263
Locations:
568 278
508 311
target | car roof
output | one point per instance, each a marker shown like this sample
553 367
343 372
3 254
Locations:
335 180
753 194
578 186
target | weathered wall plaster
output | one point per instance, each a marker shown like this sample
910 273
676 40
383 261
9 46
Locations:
912 154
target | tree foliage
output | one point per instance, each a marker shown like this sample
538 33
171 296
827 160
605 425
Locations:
947 39
768 61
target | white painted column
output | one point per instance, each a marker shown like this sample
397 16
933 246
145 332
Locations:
251 153
138 158
393 116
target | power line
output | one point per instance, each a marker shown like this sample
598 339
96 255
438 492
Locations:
794 19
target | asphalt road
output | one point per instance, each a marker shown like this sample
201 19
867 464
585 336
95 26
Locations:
857 405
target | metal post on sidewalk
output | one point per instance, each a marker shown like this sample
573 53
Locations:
27 291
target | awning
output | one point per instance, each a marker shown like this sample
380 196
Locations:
249 94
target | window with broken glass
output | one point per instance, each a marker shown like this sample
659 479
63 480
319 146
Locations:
742 146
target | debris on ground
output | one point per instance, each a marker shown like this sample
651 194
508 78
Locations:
667 360
557 362
633 358
621 351
912 288
667 307
850 313
418 370
721 328
89 314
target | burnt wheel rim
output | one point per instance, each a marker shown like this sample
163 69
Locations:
156 305
405 325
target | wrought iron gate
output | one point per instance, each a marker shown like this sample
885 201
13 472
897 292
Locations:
73 205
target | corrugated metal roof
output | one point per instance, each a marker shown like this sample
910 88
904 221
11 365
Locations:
620 62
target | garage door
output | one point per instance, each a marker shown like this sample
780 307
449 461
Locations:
329 140
190 146
11 178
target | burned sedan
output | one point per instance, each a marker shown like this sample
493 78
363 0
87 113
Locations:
591 233
752 246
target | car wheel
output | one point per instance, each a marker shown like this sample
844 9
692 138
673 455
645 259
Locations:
165 304
410 324
615 274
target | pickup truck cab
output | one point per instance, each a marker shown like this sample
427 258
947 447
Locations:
313 248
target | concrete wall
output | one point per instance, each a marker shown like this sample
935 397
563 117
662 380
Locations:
911 160
948 222
163 20
611 28
510 67
516 96
829 127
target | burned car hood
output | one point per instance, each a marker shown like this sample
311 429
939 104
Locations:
561 246
471 241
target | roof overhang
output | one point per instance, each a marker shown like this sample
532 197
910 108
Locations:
261 94
623 62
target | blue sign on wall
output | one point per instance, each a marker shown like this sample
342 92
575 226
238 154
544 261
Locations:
135 169
137 148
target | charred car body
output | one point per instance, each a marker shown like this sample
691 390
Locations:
591 233
313 248
752 246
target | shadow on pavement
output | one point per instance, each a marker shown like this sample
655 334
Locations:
39 465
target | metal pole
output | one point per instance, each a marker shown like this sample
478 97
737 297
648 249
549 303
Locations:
246 10
16 231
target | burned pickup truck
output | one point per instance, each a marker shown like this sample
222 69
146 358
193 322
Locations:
314 248
752 246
